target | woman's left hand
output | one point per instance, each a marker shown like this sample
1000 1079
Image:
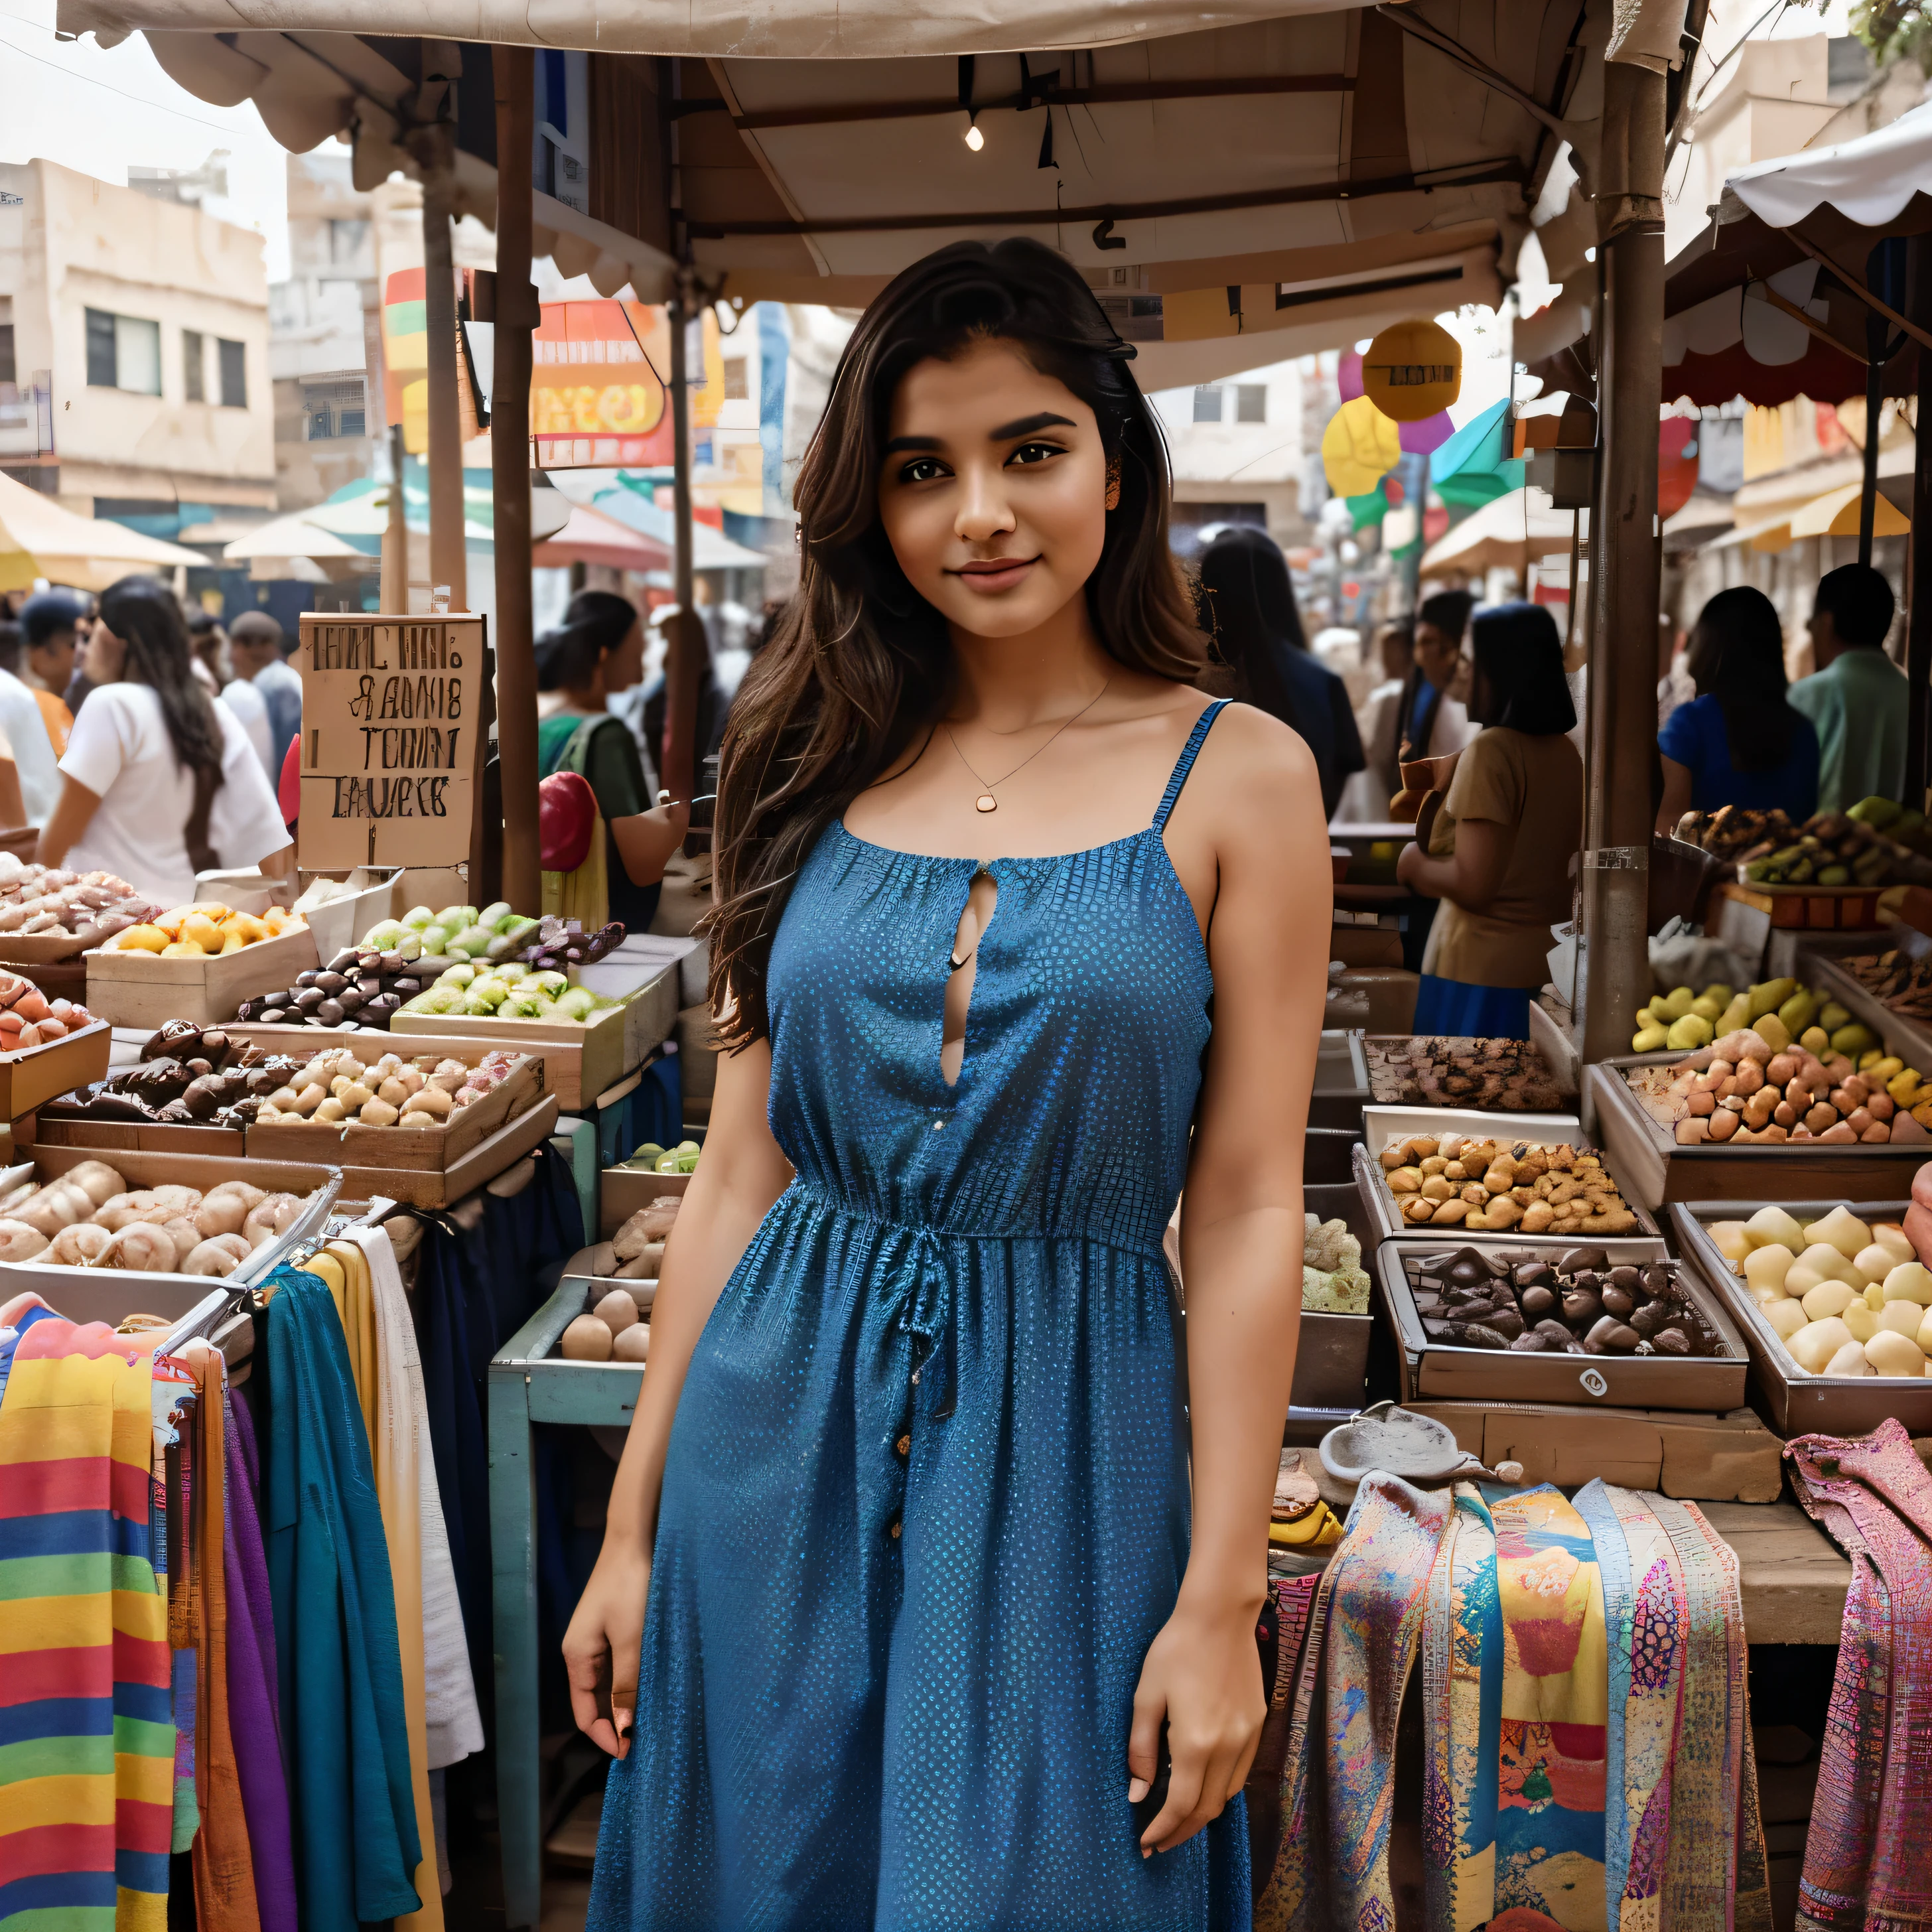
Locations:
1408 862
1202 1676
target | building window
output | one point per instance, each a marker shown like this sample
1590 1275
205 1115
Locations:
737 390
333 409
123 353
345 241
1208 405
1251 403
194 366
7 374
234 374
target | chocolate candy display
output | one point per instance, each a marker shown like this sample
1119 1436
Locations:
1500 1075
360 987
188 1076
1580 1304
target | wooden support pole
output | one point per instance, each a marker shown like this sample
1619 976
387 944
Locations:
394 597
446 561
517 314
1919 574
1624 565
685 648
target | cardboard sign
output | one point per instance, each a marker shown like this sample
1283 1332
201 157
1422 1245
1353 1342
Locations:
390 744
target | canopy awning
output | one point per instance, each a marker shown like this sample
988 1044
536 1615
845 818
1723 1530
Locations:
40 538
588 536
1513 531
1312 169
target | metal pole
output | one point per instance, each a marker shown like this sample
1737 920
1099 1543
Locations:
446 422
1875 332
1919 632
685 649
1624 564
393 597
517 314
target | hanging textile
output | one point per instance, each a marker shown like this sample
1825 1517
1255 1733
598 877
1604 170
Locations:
1287 1608
251 1684
1866 1867
1339 1790
86 1740
343 1709
382 1384
453 1724
1586 1734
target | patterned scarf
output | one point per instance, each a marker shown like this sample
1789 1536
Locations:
1865 1865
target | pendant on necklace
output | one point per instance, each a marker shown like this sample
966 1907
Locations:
986 801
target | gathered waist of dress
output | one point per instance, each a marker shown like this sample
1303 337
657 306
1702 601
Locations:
814 1196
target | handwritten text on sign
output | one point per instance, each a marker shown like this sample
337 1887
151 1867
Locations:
391 707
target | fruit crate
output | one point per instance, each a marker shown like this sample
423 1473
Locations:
1911 1039
128 987
1809 908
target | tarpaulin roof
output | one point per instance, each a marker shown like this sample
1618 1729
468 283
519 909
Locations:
1304 162
38 538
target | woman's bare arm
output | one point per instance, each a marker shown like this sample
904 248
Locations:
742 1173
646 840
1676 796
1241 1236
73 812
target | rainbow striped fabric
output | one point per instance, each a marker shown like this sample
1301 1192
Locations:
86 1744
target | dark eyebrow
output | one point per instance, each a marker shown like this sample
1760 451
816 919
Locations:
1027 425
899 444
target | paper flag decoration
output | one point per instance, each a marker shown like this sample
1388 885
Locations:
1359 447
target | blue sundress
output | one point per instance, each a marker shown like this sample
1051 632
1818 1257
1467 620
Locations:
926 1504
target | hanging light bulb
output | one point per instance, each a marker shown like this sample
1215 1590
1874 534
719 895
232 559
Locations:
974 139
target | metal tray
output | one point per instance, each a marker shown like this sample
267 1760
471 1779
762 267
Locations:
1792 1402
1341 1080
1711 1384
1331 1357
1380 1204
1655 1169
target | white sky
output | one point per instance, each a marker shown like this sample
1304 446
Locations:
103 110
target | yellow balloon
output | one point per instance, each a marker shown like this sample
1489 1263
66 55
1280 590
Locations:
1413 370
1359 447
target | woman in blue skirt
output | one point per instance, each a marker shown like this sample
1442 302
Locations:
937 1544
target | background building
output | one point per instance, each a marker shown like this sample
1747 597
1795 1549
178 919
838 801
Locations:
136 328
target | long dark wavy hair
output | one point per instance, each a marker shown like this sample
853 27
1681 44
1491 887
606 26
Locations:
861 665
145 615
1737 655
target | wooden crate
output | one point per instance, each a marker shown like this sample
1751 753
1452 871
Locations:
444 1186
349 1144
580 1061
106 1138
1653 1168
129 988
151 1292
33 1075
622 1191
1812 908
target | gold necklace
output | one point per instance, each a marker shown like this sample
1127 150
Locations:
986 802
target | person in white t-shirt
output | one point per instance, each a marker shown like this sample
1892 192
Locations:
210 650
159 780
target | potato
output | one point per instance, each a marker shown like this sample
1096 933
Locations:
1830 1297
310 1097
1890 1236
431 1100
354 1096
1768 1267
617 1311
1821 1262
1816 1342
1910 1281
221 1254
1851 1360
632 1344
1786 1317
1860 1319
392 1092
1901 1318
378 1114
100 1180
1770 1224
587 1340
79 1246
329 1112
1874 1262
1841 1229
1894 1354
1731 1239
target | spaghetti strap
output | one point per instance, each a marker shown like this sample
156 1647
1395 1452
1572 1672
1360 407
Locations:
1185 763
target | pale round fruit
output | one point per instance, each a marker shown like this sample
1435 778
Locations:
1829 1297
1890 1355
617 1311
1786 1317
587 1340
1910 1281
1816 1342
1767 1268
1849 1360
634 1345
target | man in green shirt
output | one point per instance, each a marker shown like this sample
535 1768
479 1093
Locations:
1855 700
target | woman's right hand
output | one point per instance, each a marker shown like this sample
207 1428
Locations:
602 1646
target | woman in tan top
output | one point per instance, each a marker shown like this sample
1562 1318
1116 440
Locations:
1517 801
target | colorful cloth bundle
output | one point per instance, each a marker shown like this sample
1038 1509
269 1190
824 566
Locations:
1587 1754
1865 1865
86 1739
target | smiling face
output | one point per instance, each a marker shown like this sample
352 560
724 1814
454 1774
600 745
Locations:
993 489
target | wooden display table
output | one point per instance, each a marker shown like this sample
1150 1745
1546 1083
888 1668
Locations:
1792 1576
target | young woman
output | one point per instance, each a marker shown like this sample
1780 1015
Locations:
908 1487
1738 742
1517 800
598 649
1249 612
159 782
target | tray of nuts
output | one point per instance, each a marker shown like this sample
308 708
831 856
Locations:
1429 1183
1615 1321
